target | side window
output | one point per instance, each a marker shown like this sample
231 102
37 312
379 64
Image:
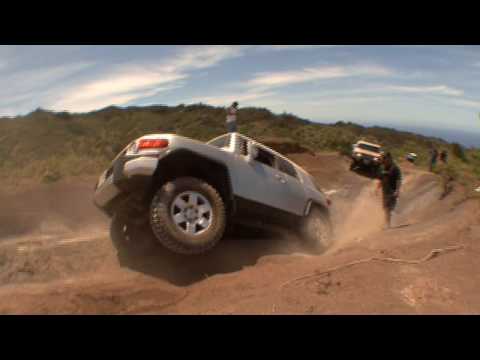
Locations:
242 146
221 142
286 167
265 157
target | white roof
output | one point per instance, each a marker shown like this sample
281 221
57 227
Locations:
298 167
368 143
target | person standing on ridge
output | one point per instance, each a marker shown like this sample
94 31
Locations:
232 118
390 178
433 158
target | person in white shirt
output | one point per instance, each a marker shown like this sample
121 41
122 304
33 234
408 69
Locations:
232 118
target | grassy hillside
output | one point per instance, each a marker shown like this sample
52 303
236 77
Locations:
47 146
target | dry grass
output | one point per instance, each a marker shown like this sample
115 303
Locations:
46 146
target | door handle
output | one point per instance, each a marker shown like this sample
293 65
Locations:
280 178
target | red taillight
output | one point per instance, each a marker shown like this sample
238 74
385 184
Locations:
329 202
152 144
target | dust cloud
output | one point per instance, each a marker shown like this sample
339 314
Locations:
358 218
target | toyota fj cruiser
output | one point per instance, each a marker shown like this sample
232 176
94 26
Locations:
186 192
366 155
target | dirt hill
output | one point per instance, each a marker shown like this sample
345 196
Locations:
63 261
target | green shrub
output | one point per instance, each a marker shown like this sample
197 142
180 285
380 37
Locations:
344 148
51 176
459 152
48 146
449 172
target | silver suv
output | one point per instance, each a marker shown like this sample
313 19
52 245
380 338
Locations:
187 192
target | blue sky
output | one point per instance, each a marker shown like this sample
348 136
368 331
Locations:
409 86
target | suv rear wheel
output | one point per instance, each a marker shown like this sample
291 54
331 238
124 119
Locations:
188 216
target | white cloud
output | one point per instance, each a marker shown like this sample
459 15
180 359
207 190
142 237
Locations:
28 89
203 56
42 77
325 108
297 47
293 77
224 100
128 83
24 81
467 103
331 101
435 90
5 54
3 59
116 89
285 78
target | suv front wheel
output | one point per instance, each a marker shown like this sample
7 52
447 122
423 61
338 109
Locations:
188 216
316 230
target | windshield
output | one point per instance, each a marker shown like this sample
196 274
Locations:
371 148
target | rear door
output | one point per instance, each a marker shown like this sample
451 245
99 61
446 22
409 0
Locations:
256 180
293 197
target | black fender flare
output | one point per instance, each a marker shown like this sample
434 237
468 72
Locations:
192 154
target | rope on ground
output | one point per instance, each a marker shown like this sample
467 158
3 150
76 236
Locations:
432 254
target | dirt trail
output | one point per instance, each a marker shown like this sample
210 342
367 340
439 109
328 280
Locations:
56 257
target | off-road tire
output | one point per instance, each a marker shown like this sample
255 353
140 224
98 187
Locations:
128 238
166 231
316 231
353 165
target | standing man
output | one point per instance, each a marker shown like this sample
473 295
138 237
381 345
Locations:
444 156
232 118
433 159
390 181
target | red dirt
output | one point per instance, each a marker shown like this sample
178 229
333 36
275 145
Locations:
56 257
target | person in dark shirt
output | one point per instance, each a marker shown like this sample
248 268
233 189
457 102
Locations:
444 156
390 178
433 158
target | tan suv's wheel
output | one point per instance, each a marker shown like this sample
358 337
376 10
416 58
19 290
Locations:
187 216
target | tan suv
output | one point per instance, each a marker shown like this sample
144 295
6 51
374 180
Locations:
366 155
